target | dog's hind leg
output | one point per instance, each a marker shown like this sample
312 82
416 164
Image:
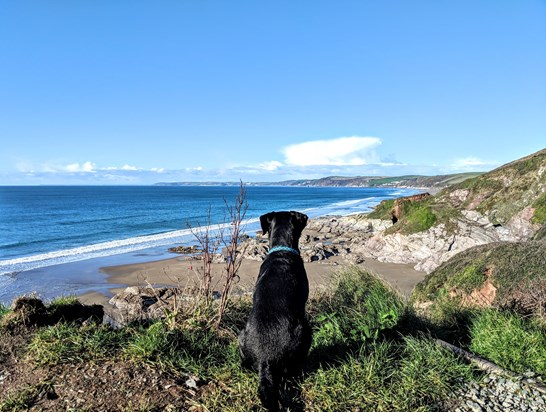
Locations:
268 389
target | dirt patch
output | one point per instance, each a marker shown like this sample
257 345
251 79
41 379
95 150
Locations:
482 297
115 385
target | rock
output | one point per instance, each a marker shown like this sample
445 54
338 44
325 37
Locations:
137 304
185 250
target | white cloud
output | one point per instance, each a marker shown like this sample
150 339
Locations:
87 167
270 166
472 163
343 151
127 167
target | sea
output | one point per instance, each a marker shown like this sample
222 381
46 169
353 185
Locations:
55 239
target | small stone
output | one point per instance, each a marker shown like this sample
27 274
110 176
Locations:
474 407
191 383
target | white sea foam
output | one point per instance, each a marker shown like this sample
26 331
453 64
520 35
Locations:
115 247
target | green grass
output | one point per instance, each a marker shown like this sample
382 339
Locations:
360 336
509 340
540 210
515 269
407 375
23 399
3 310
68 343
382 210
416 216
61 301
360 308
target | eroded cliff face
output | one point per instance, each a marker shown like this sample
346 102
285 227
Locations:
430 248
505 204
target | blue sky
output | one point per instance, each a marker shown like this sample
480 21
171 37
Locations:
137 92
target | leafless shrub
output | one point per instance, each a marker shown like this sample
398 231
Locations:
227 234
209 244
231 238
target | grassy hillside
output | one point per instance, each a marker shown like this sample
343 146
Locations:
505 191
492 299
363 334
516 272
518 187
439 182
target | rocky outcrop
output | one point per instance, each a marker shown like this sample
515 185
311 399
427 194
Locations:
323 239
149 303
430 248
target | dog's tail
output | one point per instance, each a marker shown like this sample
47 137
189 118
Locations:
269 387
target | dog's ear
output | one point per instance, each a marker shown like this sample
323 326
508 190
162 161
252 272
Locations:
265 221
300 220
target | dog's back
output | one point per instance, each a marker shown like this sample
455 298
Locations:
277 336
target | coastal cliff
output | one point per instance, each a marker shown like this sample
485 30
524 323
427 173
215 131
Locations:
506 204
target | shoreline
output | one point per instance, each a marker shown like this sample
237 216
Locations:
177 272
325 249
95 279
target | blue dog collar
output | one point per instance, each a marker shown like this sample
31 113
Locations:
283 249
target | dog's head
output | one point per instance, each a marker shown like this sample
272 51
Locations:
287 225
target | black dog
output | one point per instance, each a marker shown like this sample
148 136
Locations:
277 336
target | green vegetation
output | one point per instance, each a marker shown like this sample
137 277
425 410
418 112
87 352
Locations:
417 217
22 400
383 210
540 210
405 375
364 333
3 310
499 194
61 301
360 336
516 270
509 340
503 192
360 308
67 343
456 300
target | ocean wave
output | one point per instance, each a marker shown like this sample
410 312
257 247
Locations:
116 247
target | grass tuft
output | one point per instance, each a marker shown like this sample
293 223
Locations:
412 374
510 341
360 308
3 310
25 398
66 343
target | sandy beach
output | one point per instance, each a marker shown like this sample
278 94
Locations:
324 250
182 272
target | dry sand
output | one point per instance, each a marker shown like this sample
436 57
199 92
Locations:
181 272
